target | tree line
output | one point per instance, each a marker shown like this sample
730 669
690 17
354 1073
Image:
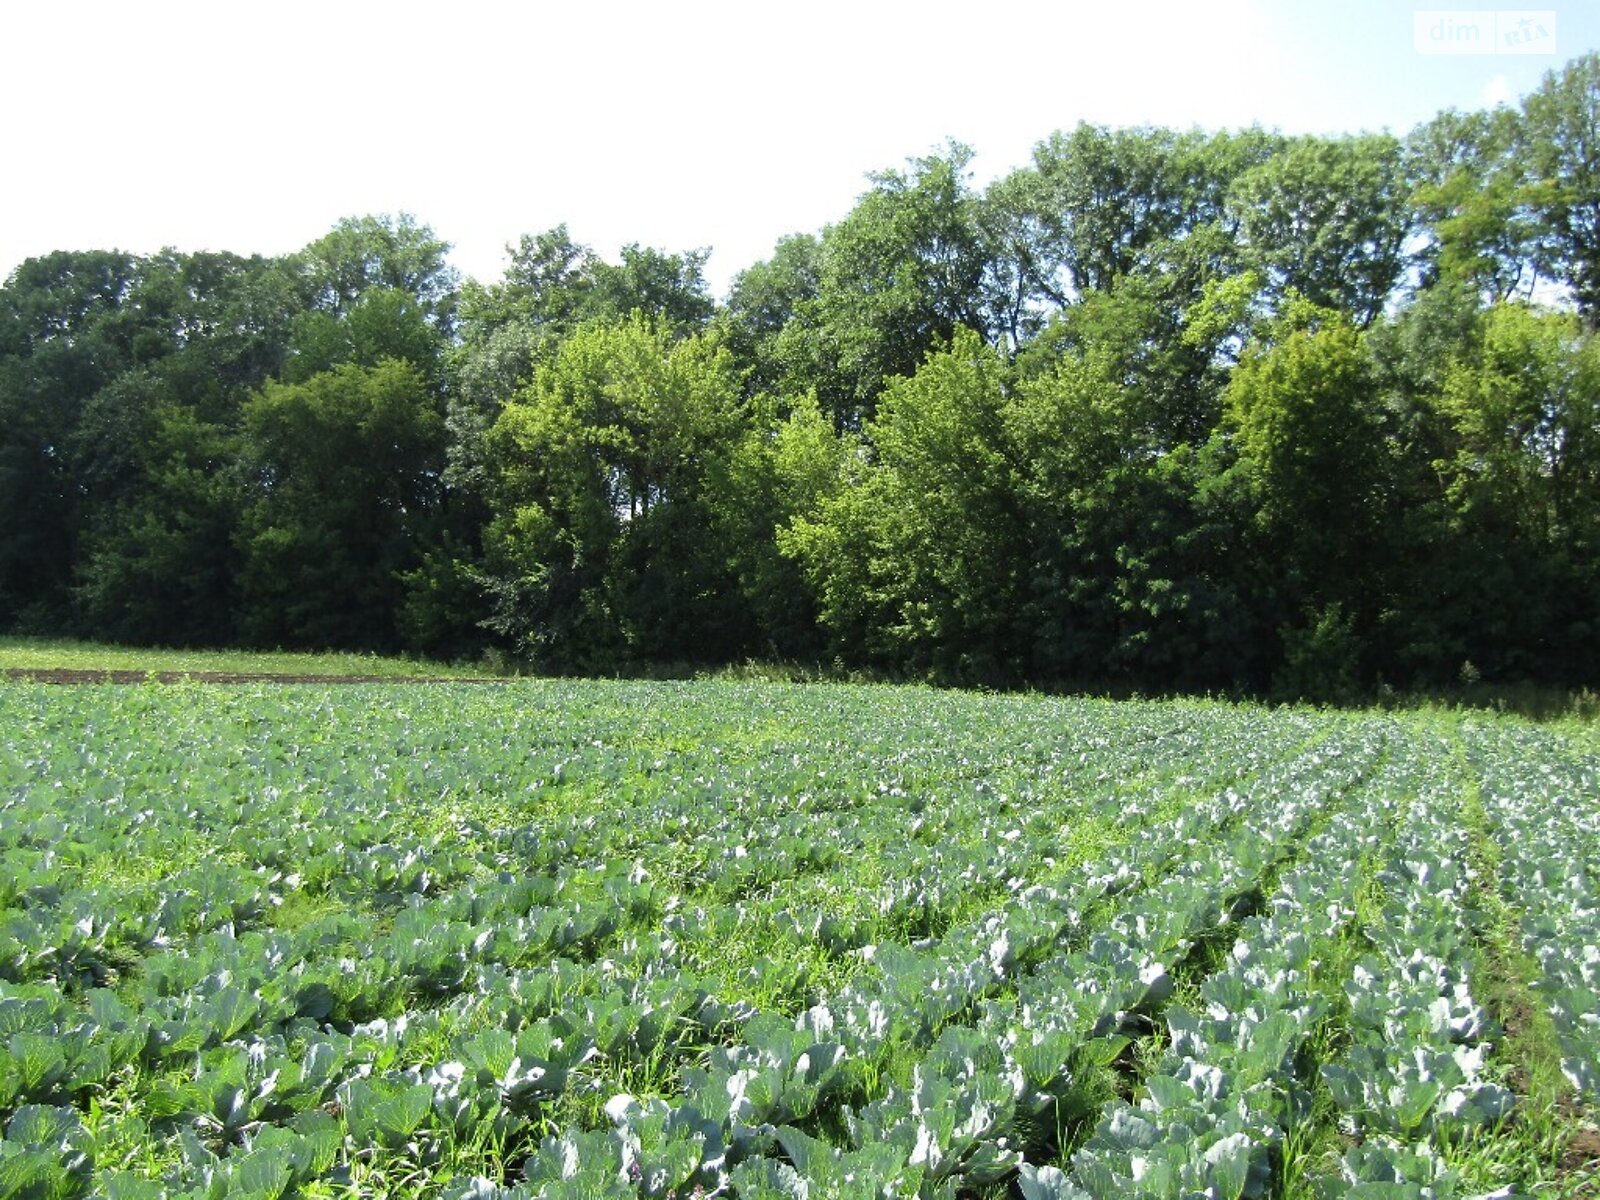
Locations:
1169 409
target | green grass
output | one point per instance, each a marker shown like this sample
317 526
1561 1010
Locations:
52 654
1575 709
1533 1143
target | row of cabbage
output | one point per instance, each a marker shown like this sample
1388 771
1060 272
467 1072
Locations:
984 1095
1230 1110
1216 1109
693 824
737 1120
1069 887
1420 1071
1547 823
337 971
544 1025
253 1007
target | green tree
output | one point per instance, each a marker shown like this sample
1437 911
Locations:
1517 471
603 472
342 492
155 450
916 563
1132 548
767 322
668 288
506 330
485 373
159 562
1167 334
1328 218
362 253
65 332
1471 195
382 323
1021 281
781 470
1562 120
553 286
899 275
1300 411
1071 428
1108 200
373 288
1301 415
546 288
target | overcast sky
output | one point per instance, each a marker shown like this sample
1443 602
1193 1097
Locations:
253 127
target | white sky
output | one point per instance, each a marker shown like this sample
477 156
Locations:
253 127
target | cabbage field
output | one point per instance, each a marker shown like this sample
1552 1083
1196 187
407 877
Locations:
589 939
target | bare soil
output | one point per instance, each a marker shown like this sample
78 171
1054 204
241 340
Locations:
63 675
1580 1161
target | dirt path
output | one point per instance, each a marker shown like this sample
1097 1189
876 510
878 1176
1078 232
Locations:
66 675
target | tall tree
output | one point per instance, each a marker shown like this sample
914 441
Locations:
899 274
789 461
918 563
1131 549
1301 412
769 317
159 561
546 288
342 488
362 253
1520 412
1563 155
1100 205
156 449
373 288
602 473
1328 218
1166 333
65 332
553 286
1109 196
670 289
1470 191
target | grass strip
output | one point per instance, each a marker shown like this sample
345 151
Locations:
1551 1142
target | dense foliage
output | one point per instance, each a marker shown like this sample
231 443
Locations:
595 939
1164 409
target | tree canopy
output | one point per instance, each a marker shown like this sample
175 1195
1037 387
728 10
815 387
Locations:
1160 409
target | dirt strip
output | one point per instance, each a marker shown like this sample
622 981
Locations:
65 675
